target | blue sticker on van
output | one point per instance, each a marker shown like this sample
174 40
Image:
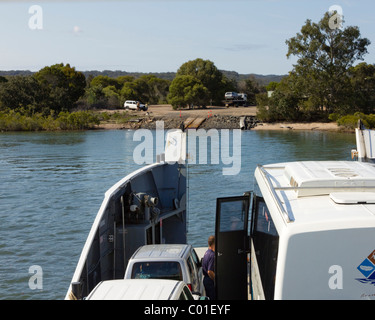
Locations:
367 268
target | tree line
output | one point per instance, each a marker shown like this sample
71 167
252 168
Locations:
61 88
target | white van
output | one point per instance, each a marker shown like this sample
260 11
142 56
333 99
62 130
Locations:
231 95
135 105
136 289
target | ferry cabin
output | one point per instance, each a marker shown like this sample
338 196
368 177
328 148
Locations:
312 234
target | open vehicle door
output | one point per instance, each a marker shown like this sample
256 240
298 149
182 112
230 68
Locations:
231 247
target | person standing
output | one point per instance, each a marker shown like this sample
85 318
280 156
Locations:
208 267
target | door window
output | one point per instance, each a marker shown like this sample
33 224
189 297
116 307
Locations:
266 242
232 215
231 240
195 258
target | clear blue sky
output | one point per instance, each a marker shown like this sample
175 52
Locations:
246 36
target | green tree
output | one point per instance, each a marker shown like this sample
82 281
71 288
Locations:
105 81
121 80
93 98
62 84
155 90
251 88
3 79
104 92
129 91
284 103
22 93
325 55
210 77
362 79
147 88
112 97
272 86
187 90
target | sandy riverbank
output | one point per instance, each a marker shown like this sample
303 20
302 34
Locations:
215 117
330 126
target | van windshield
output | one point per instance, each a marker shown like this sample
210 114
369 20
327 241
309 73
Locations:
169 270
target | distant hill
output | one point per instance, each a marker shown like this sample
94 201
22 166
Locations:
118 73
261 79
16 73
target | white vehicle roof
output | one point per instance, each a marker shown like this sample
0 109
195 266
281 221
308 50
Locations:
131 101
319 193
161 251
135 289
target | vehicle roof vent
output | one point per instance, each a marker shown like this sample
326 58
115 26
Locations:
322 178
343 172
353 197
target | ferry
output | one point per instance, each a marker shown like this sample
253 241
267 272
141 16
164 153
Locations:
305 231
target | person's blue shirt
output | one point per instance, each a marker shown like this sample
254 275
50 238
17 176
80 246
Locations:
208 262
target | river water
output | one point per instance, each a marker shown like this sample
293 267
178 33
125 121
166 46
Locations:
52 185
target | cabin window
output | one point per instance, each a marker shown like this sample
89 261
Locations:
266 241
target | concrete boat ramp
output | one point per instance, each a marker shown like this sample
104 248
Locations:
193 123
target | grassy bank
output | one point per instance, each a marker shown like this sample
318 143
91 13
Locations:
79 120
16 121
